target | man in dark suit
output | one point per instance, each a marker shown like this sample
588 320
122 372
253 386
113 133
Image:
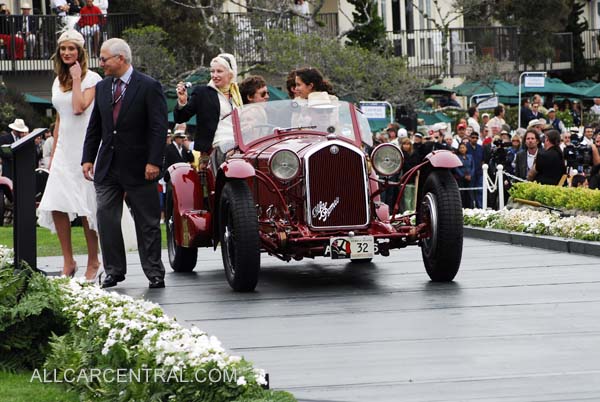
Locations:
26 27
549 166
18 130
177 152
526 157
129 119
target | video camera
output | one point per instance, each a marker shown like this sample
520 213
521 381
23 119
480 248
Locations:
578 155
499 154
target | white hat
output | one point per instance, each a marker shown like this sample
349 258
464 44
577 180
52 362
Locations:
19 125
72 35
26 6
227 60
402 133
533 122
485 115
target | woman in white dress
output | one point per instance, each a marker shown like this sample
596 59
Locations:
68 194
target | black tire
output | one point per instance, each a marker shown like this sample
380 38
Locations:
2 206
238 233
441 207
181 259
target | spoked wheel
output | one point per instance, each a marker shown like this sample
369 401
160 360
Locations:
441 209
240 243
182 259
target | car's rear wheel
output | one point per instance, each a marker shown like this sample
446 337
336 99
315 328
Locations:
441 209
240 242
181 259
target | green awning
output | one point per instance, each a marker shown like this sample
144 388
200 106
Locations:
583 84
433 118
506 92
29 98
190 122
592 92
276 93
437 89
554 86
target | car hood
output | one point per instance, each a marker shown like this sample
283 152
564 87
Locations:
300 144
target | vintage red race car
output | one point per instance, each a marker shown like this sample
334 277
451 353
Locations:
297 183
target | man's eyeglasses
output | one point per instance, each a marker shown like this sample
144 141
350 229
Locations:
105 59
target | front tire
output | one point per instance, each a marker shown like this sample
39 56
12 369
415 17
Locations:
240 242
441 208
181 259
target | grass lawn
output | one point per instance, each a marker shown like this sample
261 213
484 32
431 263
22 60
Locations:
47 242
20 388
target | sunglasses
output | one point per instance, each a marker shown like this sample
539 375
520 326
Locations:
263 94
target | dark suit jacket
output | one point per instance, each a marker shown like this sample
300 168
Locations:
172 156
137 138
7 170
19 23
550 166
521 163
204 103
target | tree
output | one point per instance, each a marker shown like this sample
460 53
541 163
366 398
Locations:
536 27
149 54
355 73
576 27
368 31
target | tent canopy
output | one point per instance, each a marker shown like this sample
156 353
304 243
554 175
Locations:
430 119
507 93
554 86
437 89
29 98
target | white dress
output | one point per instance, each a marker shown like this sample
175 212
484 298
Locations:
67 190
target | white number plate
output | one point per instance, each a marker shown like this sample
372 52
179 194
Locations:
357 247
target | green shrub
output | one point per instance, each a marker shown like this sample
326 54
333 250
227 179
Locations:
30 311
582 199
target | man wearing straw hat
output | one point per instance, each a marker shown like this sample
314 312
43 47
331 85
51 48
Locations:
18 130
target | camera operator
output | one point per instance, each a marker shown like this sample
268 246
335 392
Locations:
549 166
578 154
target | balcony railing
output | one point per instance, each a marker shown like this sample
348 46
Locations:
424 49
31 51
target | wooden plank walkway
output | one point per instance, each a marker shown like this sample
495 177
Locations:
518 324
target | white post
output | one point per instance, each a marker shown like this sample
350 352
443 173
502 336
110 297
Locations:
500 186
485 186
519 105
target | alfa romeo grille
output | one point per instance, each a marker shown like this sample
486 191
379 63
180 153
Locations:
336 192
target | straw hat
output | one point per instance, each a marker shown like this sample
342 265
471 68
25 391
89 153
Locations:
319 100
19 125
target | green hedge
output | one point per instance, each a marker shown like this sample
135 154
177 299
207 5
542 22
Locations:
579 198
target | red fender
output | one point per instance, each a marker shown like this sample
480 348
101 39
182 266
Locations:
237 169
192 222
443 159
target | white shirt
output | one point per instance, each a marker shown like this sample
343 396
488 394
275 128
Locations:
301 9
473 123
530 159
595 109
59 3
102 5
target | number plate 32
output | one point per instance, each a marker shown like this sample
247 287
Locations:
357 247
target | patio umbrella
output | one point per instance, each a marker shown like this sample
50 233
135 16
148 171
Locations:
553 86
437 89
430 119
583 84
592 92
506 92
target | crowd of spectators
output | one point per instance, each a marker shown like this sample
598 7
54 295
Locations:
543 150
29 34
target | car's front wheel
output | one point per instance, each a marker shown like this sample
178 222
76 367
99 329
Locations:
441 209
181 259
240 242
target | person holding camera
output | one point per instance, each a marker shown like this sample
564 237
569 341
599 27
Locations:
549 166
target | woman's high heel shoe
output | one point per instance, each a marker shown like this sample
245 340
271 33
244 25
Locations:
98 277
72 274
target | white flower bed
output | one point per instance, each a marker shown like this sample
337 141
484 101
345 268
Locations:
142 328
536 222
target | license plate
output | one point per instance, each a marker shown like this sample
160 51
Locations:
357 247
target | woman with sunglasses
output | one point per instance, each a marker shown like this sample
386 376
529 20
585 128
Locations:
213 105
68 194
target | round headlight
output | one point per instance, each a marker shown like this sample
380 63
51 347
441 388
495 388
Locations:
285 165
387 159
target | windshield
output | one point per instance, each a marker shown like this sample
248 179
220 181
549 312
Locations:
259 120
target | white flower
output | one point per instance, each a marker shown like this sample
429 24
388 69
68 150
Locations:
241 381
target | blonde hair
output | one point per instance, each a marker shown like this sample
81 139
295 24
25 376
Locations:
62 70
